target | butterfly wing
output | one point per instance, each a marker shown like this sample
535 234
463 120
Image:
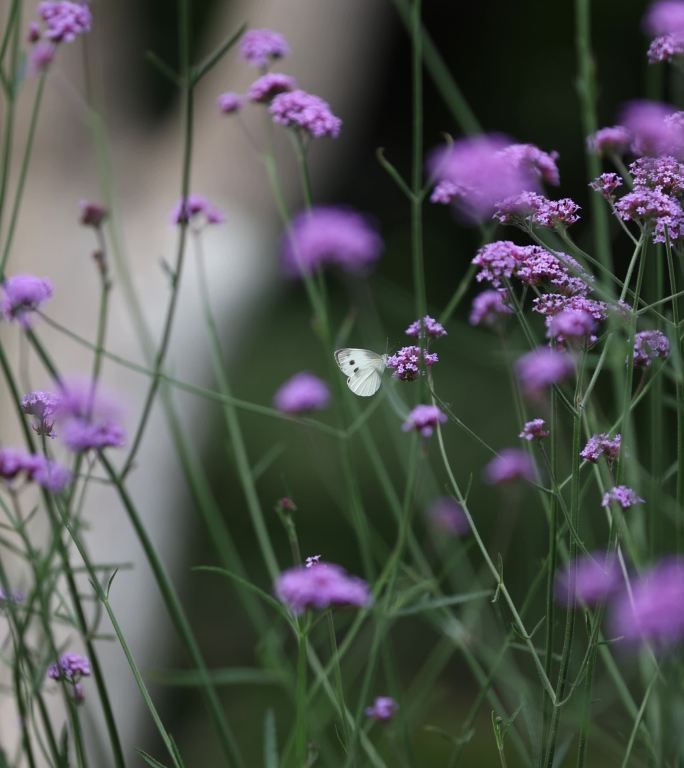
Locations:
363 368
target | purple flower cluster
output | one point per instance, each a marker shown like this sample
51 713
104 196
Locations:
590 579
536 210
424 419
655 128
476 173
601 445
406 362
448 516
330 236
88 418
22 295
571 325
651 612
259 47
534 430
265 88
510 465
384 708
427 327
37 468
649 346
542 368
43 406
665 20
229 103
302 393
305 112
319 587
623 495
615 139
64 21
488 308
606 184
196 210
70 668
654 208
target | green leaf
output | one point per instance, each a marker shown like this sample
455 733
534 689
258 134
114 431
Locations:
270 741
442 602
150 760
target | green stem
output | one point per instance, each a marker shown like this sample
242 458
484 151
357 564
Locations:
417 161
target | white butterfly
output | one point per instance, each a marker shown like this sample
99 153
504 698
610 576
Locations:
364 369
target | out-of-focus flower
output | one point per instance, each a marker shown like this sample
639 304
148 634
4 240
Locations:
196 210
285 504
488 308
306 112
12 463
229 103
651 612
384 708
427 327
424 419
64 21
92 214
590 579
649 346
71 668
665 48
510 465
654 208
542 368
23 295
534 430
606 184
537 210
7 598
601 445
551 304
320 587
615 139
571 325
448 516
41 56
651 130
259 47
42 406
665 20
476 173
406 362
623 495
302 393
330 236
88 418
49 474
262 90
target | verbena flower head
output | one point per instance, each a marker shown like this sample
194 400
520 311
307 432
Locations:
71 668
64 21
542 368
477 172
624 496
302 393
43 407
571 325
427 327
13 462
259 47
319 587
662 212
406 363
305 112
41 56
536 210
652 133
424 419
196 210
262 90
601 445
649 346
229 103
590 579
665 48
312 560
534 430
92 214
22 295
448 516
330 236
664 174
383 709
652 613
510 465
88 418
615 139
606 184
49 474
489 308
551 304
665 19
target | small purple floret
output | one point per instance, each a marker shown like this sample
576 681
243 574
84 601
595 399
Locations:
621 494
384 708
601 445
534 430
